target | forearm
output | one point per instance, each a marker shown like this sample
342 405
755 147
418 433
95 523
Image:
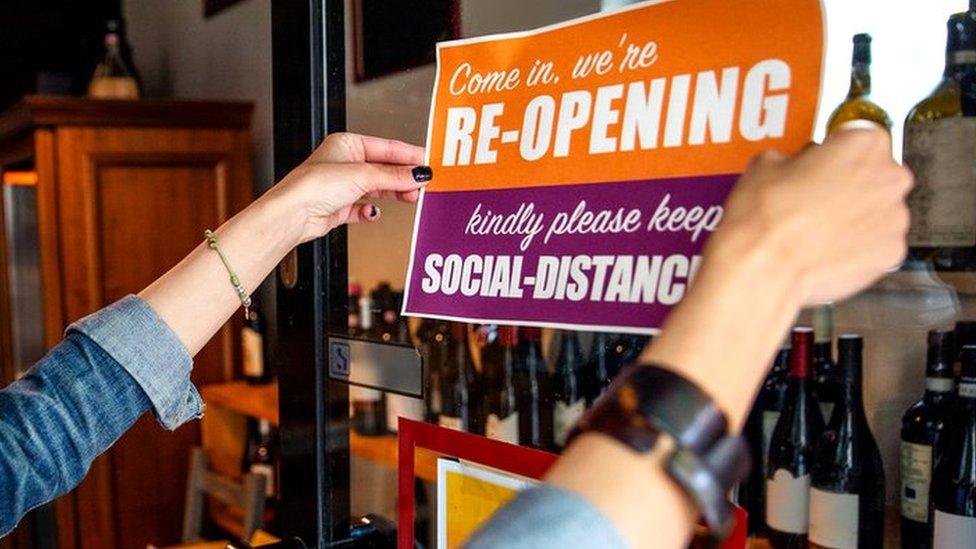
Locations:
727 326
195 298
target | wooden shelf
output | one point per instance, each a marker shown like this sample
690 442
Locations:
257 401
261 402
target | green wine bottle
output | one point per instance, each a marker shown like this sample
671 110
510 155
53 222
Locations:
858 105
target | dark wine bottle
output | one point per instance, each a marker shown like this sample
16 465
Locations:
791 451
847 484
459 401
501 410
569 402
758 431
965 332
260 458
601 365
433 337
368 415
921 429
535 399
255 363
954 481
858 105
825 385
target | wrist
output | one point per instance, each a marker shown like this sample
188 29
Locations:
286 214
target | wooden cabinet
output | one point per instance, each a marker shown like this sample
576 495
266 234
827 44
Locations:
122 190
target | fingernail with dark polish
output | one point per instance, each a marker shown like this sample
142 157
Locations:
373 211
422 174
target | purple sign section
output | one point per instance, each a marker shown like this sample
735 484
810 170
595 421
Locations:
602 256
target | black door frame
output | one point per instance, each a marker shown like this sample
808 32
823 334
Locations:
308 51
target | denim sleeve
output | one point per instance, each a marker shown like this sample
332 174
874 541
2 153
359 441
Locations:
78 400
544 517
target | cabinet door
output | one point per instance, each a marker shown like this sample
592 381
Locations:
131 204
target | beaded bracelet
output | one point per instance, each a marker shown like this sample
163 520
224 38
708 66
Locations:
234 280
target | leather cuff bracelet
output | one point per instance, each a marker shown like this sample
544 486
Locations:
646 403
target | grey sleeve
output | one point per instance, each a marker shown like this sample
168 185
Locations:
547 516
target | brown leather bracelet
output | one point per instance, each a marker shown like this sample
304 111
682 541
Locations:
648 402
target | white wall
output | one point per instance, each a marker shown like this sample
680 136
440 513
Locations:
181 54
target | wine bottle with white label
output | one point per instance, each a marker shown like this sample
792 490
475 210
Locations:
758 431
569 403
954 481
791 451
534 394
368 413
825 385
921 429
940 135
847 484
502 421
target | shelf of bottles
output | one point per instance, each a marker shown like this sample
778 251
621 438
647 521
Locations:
828 444
519 385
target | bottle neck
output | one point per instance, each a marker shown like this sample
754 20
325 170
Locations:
860 80
939 379
959 62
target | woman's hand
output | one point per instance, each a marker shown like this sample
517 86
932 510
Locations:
328 187
834 215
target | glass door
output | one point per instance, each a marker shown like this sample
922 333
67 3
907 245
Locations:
367 67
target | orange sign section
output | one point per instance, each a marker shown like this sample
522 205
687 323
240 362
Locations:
658 90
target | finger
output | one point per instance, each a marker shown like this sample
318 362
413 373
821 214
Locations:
363 213
371 177
391 151
868 134
409 196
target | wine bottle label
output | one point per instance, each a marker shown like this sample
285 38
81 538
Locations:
505 430
833 519
916 476
450 422
940 384
398 406
967 390
788 502
953 531
252 345
963 57
565 417
363 394
940 153
268 472
769 419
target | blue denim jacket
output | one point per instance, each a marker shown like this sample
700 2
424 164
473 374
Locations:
118 363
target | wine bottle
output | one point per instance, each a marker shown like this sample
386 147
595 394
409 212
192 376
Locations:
604 362
791 451
255 363
758 431
965 334
114 76
260 458
355 320
954 481
847 484
940 135
569 403
921 429
433 336
532 384
502 421
458 380
858 105
368 416
392 329
825 386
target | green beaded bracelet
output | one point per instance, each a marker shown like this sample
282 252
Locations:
234 280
